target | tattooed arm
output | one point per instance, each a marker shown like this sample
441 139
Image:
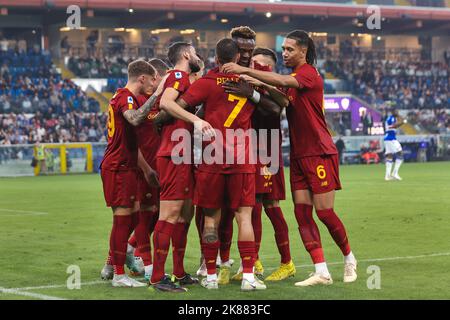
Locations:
136 117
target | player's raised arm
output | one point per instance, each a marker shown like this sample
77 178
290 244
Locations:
137 116
271 78
244 89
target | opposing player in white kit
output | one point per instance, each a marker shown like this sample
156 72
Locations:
393 147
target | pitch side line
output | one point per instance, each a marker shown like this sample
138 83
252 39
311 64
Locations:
380 259
29 294
90 283
21 212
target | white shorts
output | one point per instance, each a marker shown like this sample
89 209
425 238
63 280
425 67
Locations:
392 146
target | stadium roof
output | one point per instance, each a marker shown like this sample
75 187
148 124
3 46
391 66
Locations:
327 17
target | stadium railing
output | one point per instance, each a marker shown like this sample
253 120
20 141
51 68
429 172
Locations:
66 158
60 158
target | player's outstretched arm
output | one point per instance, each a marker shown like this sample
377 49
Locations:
244 89
162 117
271 78
277 95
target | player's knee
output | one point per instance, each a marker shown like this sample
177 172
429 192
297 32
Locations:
269 204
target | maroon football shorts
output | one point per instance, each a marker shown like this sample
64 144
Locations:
217 190
119 187
176 180
320 174
147 195
278 187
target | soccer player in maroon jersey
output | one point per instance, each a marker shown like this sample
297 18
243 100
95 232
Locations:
176 180
245 39
148 193
230 182
314 160
121 160
265 59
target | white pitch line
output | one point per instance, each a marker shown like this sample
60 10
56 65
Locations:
90 283
380 259
29 294
23 212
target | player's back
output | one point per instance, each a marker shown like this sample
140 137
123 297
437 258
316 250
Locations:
226 113
121 151
223 110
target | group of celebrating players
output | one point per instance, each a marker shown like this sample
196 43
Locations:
152 191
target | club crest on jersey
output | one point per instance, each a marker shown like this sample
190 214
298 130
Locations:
178 75
130 99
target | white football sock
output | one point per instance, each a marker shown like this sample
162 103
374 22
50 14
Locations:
249 277
398 163
321 268
148 269
211 277
388 167
226 264
350 258
130 248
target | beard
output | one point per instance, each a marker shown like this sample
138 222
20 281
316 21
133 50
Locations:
194 66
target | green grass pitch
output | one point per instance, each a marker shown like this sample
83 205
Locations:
50 223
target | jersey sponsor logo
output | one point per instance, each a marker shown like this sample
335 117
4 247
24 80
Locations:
178 75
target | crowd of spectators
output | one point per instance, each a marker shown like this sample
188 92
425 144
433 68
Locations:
50 127
29 82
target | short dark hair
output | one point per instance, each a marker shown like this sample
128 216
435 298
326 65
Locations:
226 50
139 67
302 38
265 52
243 32
160 66
176 50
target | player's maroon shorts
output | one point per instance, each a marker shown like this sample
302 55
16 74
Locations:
320 174
216 190
176 180
119 187
148 196
263 180
278 187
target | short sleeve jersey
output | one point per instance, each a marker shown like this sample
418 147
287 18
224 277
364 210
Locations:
308 132
121 151
228 114
178 80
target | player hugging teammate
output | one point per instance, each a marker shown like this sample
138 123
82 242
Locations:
241 95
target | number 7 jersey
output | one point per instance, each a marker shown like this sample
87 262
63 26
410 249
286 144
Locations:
224 112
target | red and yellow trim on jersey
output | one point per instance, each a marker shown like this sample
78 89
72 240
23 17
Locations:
176 85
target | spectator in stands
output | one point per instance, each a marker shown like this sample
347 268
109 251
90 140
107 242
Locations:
340 146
